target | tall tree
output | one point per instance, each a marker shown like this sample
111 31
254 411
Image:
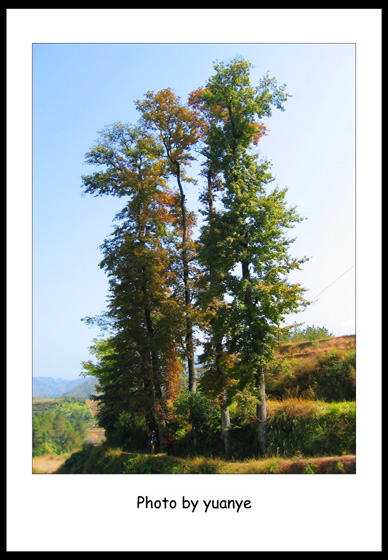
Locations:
238 269
210 294
144 309
244 243
178 128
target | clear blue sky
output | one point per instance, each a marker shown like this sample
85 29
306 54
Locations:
79 88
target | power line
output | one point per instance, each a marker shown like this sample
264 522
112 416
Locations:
327 287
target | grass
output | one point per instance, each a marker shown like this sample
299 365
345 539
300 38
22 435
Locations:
48 463
312 428
318 370
305 348
105 460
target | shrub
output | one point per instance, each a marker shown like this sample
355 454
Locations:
196 421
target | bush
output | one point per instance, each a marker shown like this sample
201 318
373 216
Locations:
243 441
196 422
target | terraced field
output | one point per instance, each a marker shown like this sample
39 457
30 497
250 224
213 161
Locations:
96 435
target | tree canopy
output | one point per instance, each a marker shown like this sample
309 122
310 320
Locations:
227 287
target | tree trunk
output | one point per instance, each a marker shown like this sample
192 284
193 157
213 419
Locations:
261 415
225 426
186 275
261 409
190 354
158 423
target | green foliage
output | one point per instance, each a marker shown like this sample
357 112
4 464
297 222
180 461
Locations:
244 243
140 362
60 428
297 334
196 423
121 395
197 411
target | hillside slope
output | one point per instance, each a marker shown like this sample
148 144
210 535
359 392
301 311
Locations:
322 370
321 346
84 390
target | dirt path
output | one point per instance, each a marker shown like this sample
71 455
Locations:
48 464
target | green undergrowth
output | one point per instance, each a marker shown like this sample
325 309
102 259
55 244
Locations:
311 428
297 430
105 460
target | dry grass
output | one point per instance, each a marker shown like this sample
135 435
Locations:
321 347
49 463
322 369
296 406
93 406
295 465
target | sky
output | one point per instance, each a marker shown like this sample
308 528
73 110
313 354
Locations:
79 88
71 72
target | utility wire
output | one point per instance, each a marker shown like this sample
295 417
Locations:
327 287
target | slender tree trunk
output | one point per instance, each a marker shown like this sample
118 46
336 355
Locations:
261 414
225 415
186 275
158 422
261 409
225 426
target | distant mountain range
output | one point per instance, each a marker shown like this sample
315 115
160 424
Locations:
55 387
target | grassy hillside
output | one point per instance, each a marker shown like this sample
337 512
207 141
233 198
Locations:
322 370
323 345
